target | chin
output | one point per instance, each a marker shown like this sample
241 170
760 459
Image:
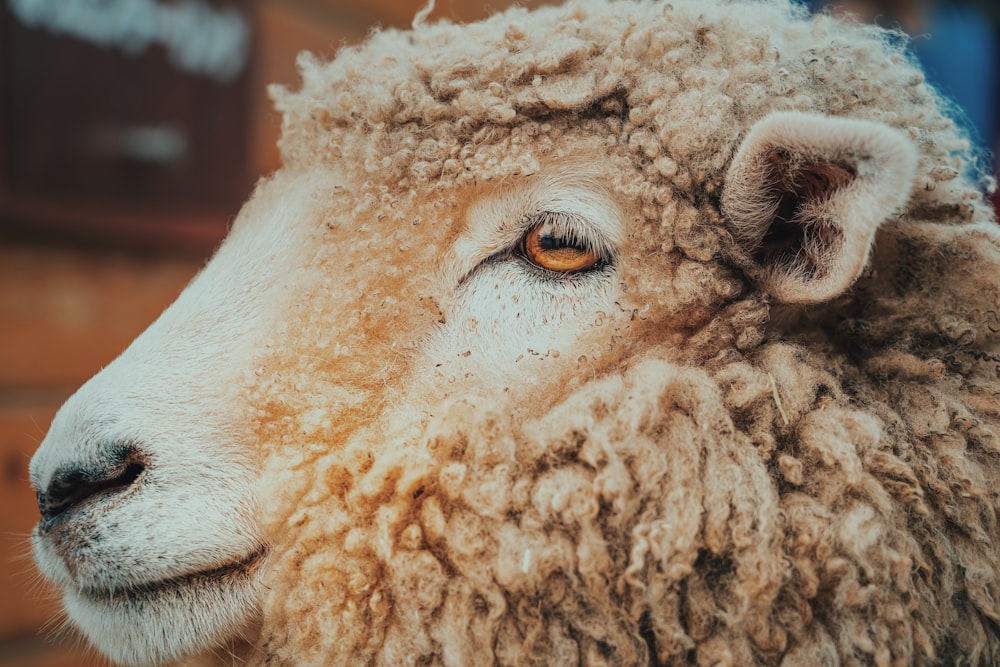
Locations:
162 622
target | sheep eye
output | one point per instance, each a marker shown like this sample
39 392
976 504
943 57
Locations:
548 246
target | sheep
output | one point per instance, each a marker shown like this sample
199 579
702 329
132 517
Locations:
620 332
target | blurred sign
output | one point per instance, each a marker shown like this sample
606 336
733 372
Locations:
198 38
124 121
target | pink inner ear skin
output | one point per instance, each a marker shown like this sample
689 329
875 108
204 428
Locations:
795 237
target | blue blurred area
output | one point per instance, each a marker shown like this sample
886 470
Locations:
958 44
960 52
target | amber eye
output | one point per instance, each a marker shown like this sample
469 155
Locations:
548 247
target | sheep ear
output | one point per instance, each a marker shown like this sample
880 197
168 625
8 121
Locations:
805 195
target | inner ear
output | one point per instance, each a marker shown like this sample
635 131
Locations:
804 196
796 233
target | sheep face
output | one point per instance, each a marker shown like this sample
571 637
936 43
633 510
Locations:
147 477
475 356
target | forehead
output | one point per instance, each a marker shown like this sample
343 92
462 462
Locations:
674 85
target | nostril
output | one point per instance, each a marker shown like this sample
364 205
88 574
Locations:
70 487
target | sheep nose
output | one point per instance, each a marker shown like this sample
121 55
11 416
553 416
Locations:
72 486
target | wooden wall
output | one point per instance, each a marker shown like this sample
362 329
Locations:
69 308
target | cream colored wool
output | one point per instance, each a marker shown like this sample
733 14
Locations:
719 480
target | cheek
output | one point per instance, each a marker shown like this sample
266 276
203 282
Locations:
509 327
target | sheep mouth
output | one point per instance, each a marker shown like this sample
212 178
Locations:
234 574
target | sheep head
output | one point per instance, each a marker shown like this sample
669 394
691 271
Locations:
524 349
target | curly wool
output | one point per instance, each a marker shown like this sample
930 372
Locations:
728 482
426 106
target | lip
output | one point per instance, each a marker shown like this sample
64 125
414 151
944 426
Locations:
233 573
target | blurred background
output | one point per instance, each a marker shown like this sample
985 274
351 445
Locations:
131 131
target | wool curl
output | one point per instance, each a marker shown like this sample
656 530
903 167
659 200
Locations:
730 481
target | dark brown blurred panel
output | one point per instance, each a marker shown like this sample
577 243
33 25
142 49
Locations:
96 140
66 313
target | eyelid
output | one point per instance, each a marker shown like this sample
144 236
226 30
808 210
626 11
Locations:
575 227
496 223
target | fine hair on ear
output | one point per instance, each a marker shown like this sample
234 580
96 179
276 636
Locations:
804 196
